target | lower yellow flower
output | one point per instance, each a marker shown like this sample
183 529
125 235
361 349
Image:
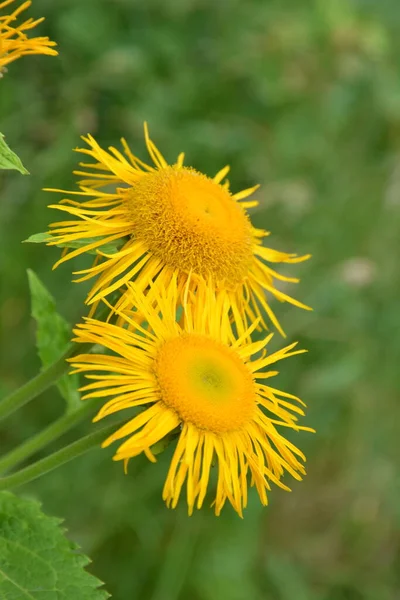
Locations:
14 41
195 380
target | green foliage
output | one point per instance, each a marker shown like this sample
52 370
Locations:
36 560
8 158
37 238
53 336
110 248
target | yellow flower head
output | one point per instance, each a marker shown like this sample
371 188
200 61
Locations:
14 41
195 381
175 220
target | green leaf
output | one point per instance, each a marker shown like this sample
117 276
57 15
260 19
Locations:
8 158
111 248
37 562
53 336
163 444
38 238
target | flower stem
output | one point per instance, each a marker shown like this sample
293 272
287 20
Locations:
47 377
45 437
45 465
41 382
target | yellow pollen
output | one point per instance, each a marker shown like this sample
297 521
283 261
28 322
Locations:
205 383
192 223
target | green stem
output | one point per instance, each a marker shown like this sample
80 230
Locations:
47 377
45 465
45 437
41 382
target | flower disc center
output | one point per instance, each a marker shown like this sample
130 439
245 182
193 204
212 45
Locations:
205 382
192 224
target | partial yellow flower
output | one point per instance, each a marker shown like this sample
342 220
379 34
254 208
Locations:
14 41
197 382
172 220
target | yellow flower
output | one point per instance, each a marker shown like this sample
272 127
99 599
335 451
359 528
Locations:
195 381
14 42
171 220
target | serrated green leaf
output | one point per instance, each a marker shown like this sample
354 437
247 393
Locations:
37 562
8 158
53 336
111 248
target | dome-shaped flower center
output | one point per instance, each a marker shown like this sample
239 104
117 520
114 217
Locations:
192 224
206 383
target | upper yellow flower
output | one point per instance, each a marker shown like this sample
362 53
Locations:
14 42
172 220
195 381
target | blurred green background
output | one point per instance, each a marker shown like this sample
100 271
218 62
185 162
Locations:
303 97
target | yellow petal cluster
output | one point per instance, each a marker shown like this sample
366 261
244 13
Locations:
199 383
14 40
169 220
